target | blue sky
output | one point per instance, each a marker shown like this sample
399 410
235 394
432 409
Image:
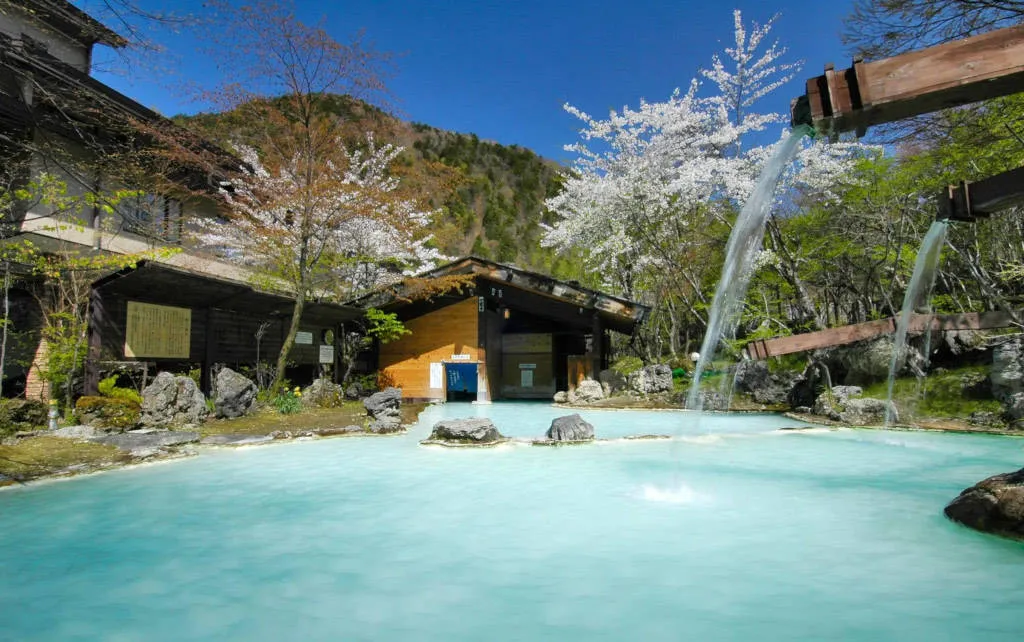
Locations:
503 70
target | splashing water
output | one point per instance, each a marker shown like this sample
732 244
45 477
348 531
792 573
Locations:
744 244
918 292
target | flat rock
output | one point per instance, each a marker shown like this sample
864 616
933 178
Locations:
141 444
74 432
477 431
995 505
235 440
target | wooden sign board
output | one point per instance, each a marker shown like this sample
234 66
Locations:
157 331
526 343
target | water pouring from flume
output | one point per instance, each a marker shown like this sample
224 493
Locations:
918 293
741 250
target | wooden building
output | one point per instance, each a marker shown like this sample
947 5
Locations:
512 334
174 319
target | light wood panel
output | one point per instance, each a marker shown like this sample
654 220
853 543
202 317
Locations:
436 336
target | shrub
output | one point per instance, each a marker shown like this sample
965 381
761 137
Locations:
288 402
678 373
108 388
109 412
21 414
626 366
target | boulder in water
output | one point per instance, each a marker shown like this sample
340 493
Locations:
570 428
477 431
612 382
995 505
844 404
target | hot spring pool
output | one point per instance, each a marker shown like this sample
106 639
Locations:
736 531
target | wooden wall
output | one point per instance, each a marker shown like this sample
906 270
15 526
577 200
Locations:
536 350
435 337
216 336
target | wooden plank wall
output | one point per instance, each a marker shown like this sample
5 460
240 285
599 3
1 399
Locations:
232 342
493 355
435 337
536 349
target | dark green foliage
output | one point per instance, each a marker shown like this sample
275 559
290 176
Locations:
288 402
108 388
21 414
110 412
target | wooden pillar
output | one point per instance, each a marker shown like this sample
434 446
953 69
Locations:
483 393
596 346
94 349
209 353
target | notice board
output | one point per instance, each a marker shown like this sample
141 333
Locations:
157 331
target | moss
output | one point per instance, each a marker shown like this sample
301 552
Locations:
267 420
945 393
21 414
112 412
40 456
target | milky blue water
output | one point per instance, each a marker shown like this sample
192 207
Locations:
741 532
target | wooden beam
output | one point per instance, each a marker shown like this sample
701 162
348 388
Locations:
955 73
978 199
95 345
764 348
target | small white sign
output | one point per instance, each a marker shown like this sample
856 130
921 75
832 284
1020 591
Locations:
437 375
326 354
462 357
527 366
526 378
305 338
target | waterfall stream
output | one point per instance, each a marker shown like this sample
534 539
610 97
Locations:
741 250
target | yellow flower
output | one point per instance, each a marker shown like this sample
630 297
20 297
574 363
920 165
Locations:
297 389
298 394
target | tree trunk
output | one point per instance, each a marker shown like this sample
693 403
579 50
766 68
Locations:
289 340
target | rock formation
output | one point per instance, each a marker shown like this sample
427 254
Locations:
235 394
465 432
172 401
995 505
570 428
385 409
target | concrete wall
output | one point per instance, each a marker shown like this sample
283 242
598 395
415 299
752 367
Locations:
16 22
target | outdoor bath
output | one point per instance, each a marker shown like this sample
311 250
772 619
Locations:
732 530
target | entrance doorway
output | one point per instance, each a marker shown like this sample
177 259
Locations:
460 380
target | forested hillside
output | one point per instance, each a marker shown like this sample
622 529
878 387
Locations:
490 196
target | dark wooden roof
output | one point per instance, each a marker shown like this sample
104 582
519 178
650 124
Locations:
92 103
162 284
71 21
540 294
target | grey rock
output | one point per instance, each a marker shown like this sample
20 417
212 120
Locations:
235 439
754 378
995 505
588 390
385 424
561 397
1007 374
612 382
142 444
570 428
385 399
471 431
75 432
323 393
651 379
868 361
235 394
1014 405
845 405
712 401
353 392
866 412
171 400
983 418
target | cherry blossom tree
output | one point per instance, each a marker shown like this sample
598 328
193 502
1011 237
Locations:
653 189
347 229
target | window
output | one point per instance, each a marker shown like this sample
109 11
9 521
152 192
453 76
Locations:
152 216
